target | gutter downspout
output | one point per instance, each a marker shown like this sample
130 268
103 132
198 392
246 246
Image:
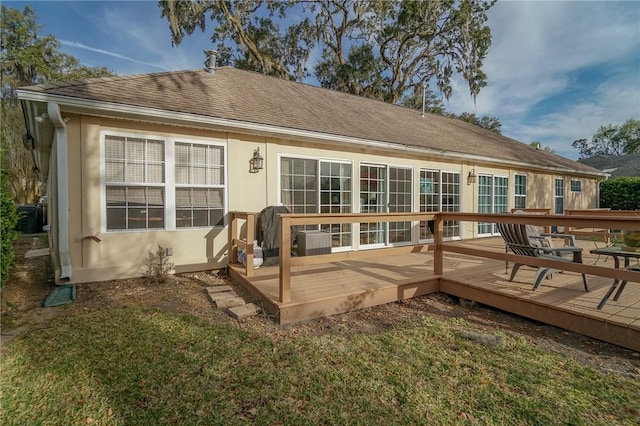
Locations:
62 182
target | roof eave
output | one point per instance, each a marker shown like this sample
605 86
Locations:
108 109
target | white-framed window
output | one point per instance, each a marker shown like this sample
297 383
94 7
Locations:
439 192
152 182
493 193
520 192
309 185
336 197
385 189
200 184
134 182
299 184
558 199
576 185
373 199
400 201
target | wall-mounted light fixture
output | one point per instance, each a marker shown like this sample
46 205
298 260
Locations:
256 162
471 178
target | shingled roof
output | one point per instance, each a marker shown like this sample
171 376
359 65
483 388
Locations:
244 96
617 165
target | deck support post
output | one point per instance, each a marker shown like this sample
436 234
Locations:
251 231
285 259
438 254
233 232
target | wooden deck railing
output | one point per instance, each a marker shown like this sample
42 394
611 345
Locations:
235 242
598 234
289 220
604 220
552 220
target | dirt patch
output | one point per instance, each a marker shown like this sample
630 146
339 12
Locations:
32 280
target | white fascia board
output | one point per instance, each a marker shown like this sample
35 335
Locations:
108 109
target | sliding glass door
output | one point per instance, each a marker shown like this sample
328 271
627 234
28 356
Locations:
493 197
385 189
373 199
439 192
318 186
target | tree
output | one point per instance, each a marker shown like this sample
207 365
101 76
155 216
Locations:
486 122
611 140
27 58
629 132
432 103
620 193
8 234
538 145
379 49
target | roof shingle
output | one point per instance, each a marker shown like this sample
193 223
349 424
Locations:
235 94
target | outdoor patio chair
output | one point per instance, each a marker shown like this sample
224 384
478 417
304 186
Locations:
524 240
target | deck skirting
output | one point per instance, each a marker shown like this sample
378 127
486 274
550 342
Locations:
307 310
624 335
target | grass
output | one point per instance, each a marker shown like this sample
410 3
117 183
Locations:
131 366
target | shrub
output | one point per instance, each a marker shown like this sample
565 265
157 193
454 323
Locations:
157 265
621 193
8 233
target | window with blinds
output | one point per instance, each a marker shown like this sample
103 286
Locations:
138 188
135 183
199 172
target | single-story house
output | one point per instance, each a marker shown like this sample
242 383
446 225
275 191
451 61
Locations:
138 161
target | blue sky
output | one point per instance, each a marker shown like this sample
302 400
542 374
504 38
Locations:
556 70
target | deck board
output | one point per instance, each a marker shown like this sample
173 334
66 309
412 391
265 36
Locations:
334 287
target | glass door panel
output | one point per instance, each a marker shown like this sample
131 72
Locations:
372 200
335 197
485 196
493 197
400 183
559 197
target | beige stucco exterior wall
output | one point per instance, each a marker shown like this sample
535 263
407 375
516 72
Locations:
97 254
121 254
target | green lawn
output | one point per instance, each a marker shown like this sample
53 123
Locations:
131 366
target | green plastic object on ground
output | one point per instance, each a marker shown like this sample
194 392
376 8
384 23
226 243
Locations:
61 295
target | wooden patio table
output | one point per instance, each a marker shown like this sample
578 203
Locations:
616 253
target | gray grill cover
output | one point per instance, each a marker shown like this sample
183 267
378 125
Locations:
268 233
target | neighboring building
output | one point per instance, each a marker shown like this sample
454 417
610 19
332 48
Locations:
615 165
137 161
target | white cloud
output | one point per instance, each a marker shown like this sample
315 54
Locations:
538 52
556 70
614 101
106 52
141 39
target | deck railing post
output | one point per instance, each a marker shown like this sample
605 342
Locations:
233 233
438 229
285 259
251 230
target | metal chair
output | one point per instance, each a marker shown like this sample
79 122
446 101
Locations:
523 240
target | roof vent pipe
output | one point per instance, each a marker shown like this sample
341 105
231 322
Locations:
210 62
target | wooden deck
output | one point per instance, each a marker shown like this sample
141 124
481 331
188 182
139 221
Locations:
336 287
